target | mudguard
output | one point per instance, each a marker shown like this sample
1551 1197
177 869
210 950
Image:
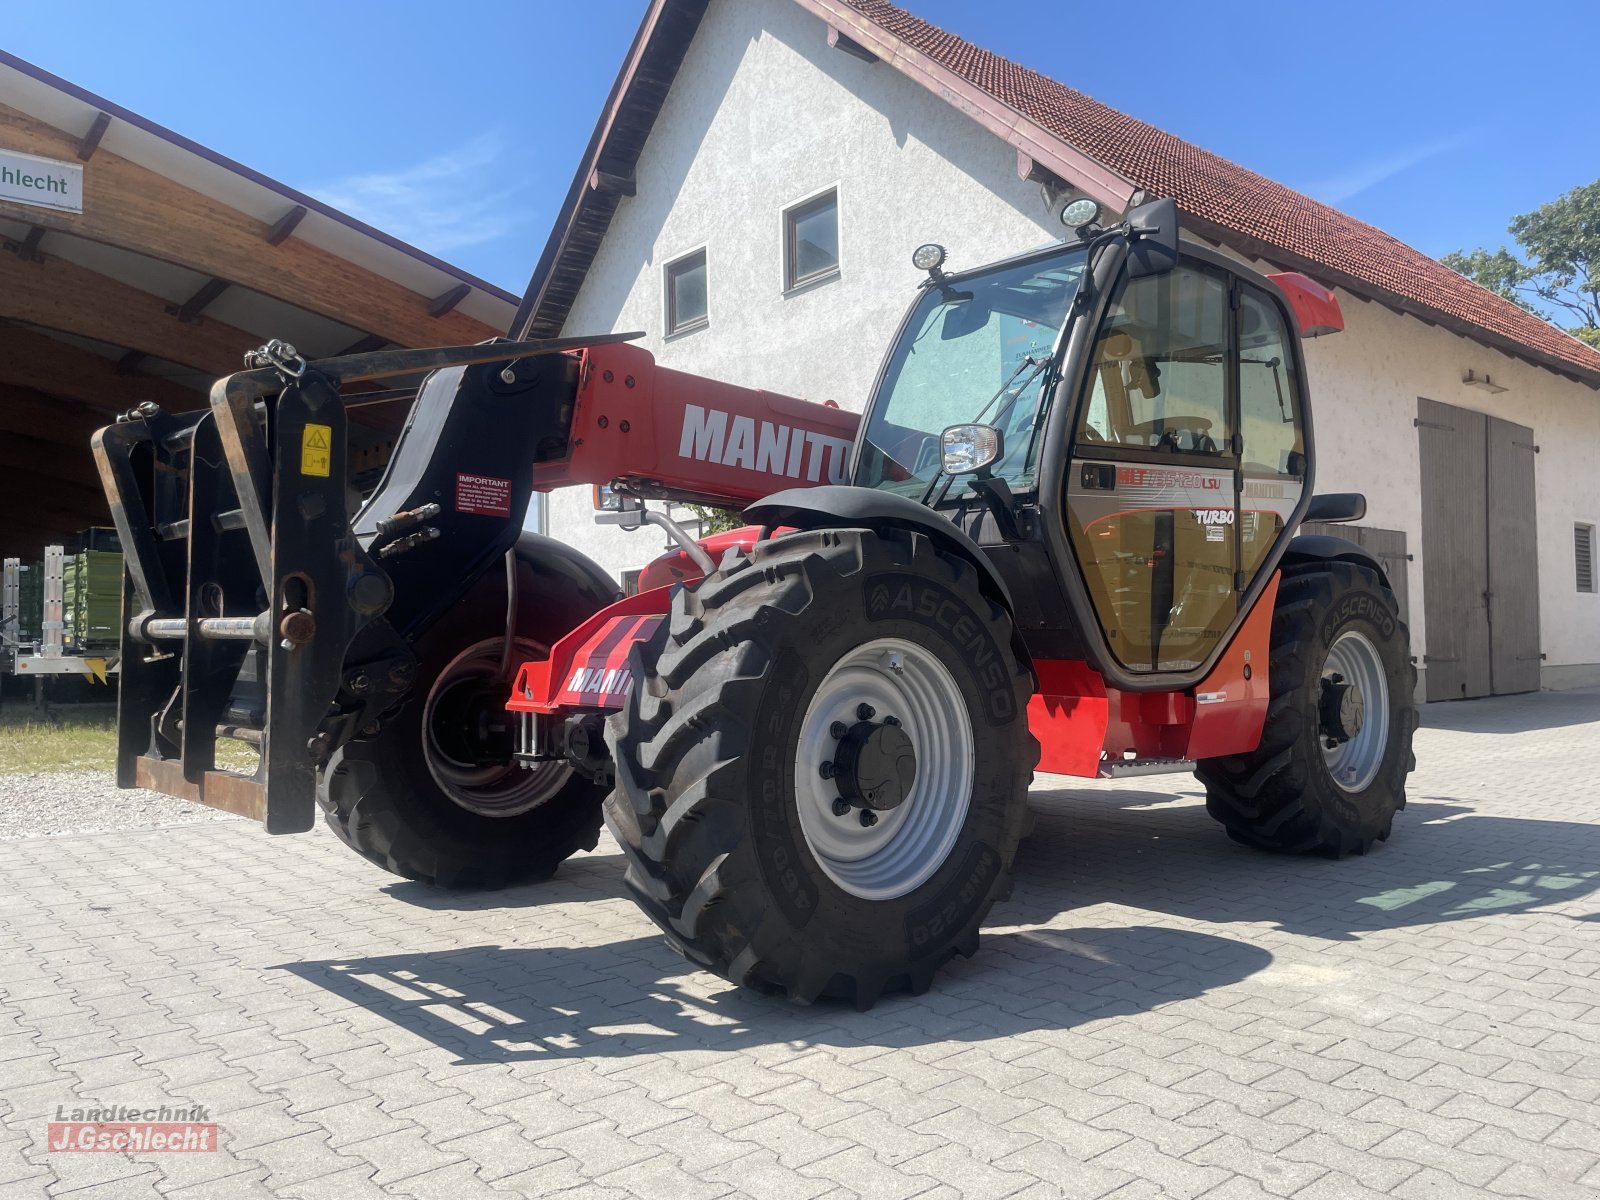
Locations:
868 508
1321 547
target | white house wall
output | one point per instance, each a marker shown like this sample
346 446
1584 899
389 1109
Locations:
764 114
1365 385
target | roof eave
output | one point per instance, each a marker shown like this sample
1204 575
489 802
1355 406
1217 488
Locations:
1259 248
295 197
1028 136
589 194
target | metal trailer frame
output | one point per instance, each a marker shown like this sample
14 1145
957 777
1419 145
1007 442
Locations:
48 656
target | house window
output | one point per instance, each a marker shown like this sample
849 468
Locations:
811 241
1583 552
686 293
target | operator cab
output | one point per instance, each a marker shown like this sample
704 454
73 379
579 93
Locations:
1122 427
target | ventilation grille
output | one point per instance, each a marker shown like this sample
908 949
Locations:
1583 552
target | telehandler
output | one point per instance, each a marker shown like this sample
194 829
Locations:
1062 537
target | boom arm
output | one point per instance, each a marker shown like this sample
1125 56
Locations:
665 434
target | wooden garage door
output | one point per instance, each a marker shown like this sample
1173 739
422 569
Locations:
1480 565
1388 546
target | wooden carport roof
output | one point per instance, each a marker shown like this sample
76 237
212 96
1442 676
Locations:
180 261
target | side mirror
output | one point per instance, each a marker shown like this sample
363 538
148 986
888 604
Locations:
1153 234
1335 508
968 448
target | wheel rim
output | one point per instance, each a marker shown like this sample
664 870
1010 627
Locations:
467 693
1353 661
909 842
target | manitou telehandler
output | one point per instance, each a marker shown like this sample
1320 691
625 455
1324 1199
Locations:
1061 537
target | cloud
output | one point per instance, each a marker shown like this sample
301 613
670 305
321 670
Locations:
438 204
1336 189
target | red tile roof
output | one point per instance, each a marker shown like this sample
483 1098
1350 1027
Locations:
1269 216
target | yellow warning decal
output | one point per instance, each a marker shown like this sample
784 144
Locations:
316 450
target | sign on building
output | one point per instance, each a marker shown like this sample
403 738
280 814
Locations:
41 182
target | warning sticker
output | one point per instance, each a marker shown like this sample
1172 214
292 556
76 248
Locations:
485 495
316 450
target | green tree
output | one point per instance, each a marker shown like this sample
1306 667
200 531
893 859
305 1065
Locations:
1557 274
715 520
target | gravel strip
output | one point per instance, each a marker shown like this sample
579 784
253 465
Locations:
49 805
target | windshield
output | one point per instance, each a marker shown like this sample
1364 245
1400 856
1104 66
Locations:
977 348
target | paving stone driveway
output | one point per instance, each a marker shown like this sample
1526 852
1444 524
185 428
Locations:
1156 1012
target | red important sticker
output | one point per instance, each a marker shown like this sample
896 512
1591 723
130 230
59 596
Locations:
485 495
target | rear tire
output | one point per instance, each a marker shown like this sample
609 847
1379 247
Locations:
731 847
401 799
1295 793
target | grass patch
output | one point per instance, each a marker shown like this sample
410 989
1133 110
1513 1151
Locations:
78 737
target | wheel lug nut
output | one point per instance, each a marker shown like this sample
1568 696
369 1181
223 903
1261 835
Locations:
894 721
838 729
868 818
826 770
840 806
865 712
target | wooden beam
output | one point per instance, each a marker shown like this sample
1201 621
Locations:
63 296
28 248
286 225
841 41
364 345
131 362
90 142
137 208
614 178
445 302
41 364
190 309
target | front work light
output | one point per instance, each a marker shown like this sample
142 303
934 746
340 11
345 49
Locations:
928 257
1079 213
969 448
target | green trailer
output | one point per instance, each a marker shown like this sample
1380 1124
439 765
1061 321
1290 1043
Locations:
92 583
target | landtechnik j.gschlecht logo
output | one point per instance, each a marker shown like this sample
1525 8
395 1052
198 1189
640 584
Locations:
126 1128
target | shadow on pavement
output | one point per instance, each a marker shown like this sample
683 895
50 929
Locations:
1514 714
1444 862
503 1004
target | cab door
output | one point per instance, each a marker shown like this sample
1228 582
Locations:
1153 489
1272 462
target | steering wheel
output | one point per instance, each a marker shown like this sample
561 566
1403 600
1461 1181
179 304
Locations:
1166 429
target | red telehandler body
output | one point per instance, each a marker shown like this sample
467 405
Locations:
1062 535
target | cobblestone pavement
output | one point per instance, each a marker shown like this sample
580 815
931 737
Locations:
1156 1012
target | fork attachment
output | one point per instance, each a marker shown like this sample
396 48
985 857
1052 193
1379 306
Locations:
246 587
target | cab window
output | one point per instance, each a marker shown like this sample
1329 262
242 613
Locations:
1269 409
1158 377
1271 425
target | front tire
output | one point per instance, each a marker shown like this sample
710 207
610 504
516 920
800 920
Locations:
879 651
1329 773
419 800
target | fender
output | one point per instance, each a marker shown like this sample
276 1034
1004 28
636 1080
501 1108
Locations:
1307 548
558 588
868 508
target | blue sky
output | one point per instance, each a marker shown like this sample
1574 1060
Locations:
458 127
